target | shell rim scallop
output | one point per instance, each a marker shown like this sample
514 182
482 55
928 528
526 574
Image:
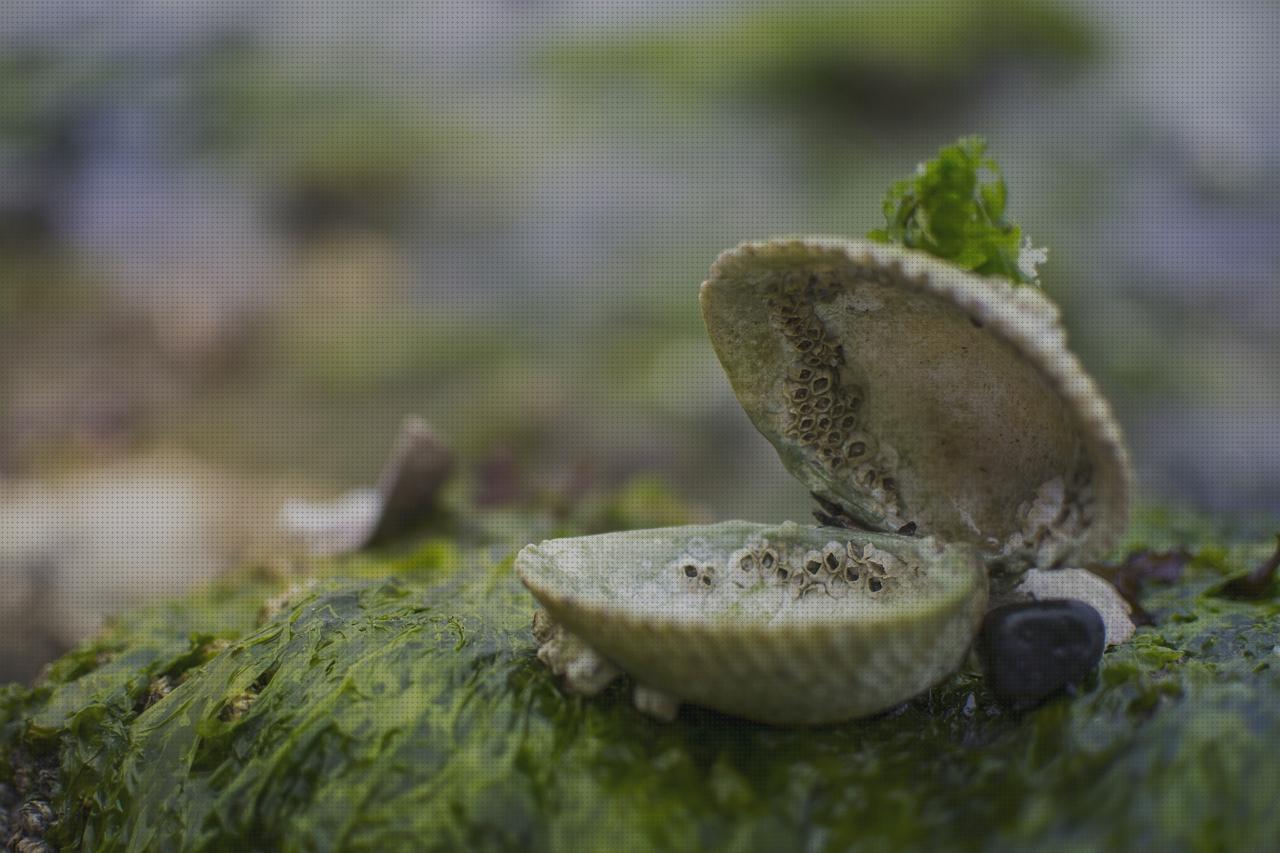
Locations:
1020 315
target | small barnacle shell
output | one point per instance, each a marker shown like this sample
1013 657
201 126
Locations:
768 557
858 446
812 572
834 558
582 669
973 420
784 571
746 561
765 651
655 703
693 573
707 576
881 562
803 375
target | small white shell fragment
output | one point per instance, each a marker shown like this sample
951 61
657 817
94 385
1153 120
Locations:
784 645
654 703
407 493
1082 585
336 527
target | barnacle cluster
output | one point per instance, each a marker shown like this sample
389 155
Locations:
583 669
696 574
823 399
26 813
1056 518
837 569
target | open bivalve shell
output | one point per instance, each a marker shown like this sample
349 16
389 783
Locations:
942 424
909 395
780 624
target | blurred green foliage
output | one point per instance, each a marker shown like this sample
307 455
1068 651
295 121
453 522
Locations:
866 55
341 151
36 90
18 97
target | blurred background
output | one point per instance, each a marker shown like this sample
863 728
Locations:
239 241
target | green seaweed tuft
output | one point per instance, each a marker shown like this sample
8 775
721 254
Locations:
954 208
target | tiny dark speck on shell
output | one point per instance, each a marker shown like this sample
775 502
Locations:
1034 650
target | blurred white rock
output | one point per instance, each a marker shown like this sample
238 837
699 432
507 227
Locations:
77 549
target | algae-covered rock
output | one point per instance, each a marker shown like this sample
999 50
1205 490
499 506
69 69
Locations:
397 704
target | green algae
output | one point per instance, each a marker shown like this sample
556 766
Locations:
410 712
953 207
864 59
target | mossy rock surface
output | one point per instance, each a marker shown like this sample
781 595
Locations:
396 703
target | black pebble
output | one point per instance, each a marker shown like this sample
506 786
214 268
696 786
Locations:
1031 651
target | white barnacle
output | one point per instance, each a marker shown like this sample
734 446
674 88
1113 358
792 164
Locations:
688 572
582 669
746 561
706 576
783 571
834 558
655 703
768 557
882 562
857 446
812 566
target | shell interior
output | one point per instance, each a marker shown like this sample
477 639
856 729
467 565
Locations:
909 395
782 624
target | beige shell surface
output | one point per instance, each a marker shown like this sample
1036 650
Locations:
782 624
915 396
